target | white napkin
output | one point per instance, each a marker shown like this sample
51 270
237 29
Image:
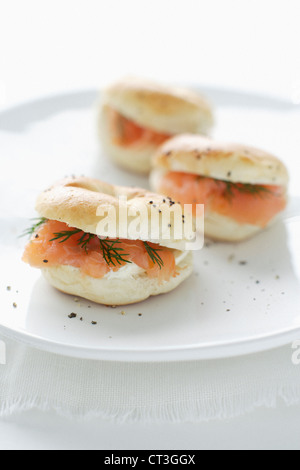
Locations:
157 392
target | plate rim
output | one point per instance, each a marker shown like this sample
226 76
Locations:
225 350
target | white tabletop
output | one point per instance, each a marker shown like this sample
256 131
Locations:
54 46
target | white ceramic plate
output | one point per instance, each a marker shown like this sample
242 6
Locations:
241 299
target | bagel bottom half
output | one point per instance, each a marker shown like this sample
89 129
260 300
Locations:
115 290
221 228
136 158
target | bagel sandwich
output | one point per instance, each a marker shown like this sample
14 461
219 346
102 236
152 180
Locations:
136 116
243 189
82 251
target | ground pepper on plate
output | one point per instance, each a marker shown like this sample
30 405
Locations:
72 315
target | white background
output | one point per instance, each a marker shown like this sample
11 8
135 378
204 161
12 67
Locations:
52 46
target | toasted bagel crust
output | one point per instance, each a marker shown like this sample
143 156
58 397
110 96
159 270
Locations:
84 202
230 162
165 109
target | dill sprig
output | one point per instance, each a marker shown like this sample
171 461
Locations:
30 231
65 235
246 188
153 254
243 188
85 240
113 254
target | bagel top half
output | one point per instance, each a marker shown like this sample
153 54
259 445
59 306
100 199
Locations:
85 203
234 163
164 109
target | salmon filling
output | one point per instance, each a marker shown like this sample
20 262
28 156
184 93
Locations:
126 133
42 251
246 204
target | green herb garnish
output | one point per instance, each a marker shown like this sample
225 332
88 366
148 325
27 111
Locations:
83 241
65 235
153 254
30 231
113 254
243 188
252 189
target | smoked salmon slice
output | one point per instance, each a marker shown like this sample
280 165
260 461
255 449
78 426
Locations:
246 204
43 251
126 132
